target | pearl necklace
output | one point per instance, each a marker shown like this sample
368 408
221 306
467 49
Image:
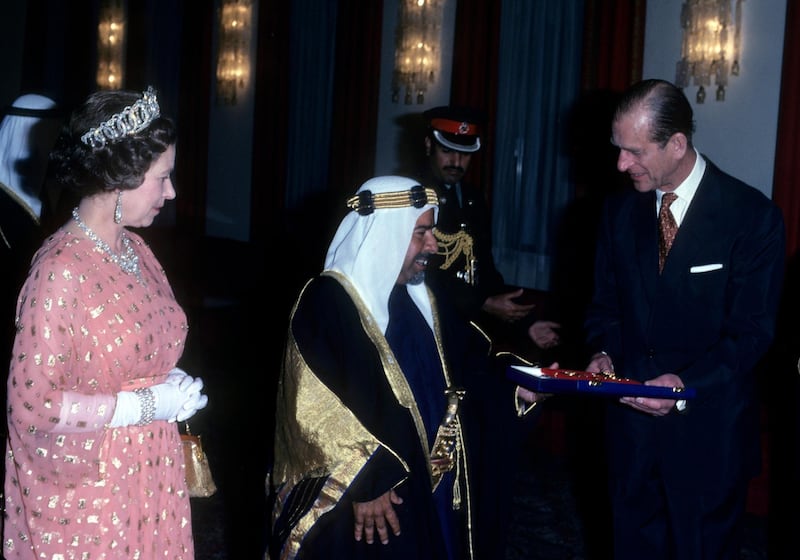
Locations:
128 261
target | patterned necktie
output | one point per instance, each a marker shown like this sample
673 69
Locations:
667 228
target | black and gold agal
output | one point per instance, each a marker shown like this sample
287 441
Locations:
366 202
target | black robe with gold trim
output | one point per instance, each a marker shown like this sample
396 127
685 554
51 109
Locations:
348 429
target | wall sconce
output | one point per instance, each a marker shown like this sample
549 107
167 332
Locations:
233 59
711 39
110 45
416 55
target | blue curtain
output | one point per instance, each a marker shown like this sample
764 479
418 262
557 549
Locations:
539 81
311 72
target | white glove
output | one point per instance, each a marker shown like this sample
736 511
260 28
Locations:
128 410
192 387
195 401
176 375
169 399
177 399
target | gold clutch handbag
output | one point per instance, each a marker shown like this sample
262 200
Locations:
198 471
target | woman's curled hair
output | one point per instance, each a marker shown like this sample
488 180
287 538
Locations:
119 164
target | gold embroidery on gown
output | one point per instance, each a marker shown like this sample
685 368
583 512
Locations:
85 331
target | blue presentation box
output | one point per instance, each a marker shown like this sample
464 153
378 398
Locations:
557 381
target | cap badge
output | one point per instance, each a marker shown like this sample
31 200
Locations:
463 128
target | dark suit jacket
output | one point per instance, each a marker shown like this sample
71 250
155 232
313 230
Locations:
709 318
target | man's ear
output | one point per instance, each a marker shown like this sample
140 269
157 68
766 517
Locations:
678 144
427 145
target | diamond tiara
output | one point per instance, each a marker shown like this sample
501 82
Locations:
131 120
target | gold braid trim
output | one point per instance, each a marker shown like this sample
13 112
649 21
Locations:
445 447
452 246
460 495
394 375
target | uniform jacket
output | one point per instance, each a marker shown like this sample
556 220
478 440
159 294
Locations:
473 216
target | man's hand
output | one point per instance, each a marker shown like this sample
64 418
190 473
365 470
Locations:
376 514
503 306
600 362
543 334
531 397
655 407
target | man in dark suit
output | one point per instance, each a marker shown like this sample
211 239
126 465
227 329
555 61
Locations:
679 471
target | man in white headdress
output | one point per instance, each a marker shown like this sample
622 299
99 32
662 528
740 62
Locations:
371 458
27 133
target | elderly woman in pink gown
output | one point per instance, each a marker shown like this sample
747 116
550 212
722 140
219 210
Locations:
94 468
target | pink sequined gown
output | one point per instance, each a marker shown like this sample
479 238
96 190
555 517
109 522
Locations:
74 488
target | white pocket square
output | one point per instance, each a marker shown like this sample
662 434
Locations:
705 268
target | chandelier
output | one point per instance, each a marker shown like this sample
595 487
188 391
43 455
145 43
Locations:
416 55
710 47
233 57
110 45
